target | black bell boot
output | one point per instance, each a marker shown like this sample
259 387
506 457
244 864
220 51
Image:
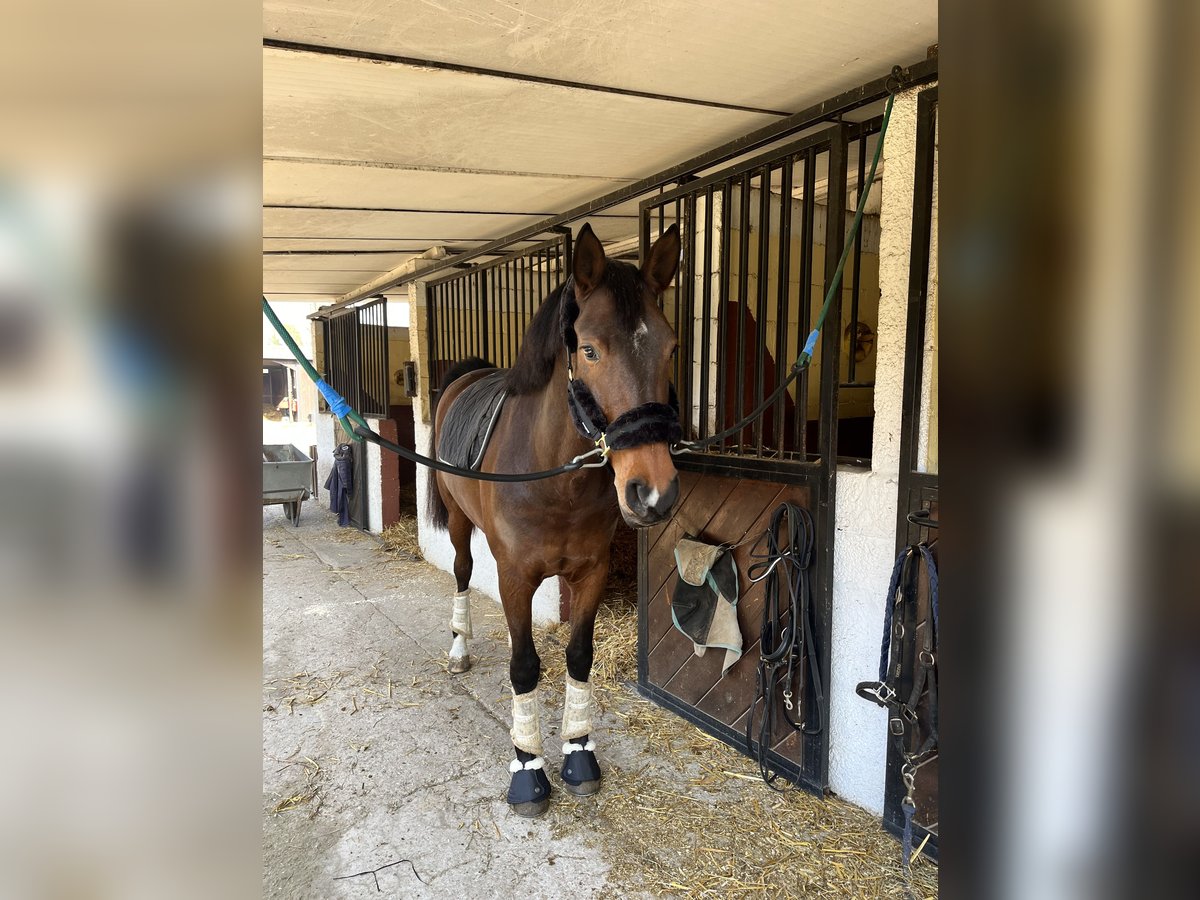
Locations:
580 771
529 792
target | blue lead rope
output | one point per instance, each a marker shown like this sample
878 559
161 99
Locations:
810 345
337 403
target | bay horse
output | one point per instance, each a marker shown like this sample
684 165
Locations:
600 339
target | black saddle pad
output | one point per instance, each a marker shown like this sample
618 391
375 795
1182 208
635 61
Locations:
468 425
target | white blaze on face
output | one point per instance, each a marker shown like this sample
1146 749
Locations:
638 333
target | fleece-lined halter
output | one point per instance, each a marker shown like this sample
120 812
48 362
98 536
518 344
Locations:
650 423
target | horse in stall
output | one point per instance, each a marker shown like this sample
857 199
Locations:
596 359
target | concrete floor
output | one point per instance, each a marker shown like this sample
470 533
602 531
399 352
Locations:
373 754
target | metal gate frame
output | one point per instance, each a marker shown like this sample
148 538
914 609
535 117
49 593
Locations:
817 472
917 490
460 306
356 357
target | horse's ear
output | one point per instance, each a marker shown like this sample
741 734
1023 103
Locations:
588 262
663 260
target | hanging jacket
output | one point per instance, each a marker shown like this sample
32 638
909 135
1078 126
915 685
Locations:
340 482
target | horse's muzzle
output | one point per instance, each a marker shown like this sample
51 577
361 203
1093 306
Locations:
646 506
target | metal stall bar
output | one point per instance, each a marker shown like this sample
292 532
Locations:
764 265
807 218
851 363
706 305
723 285
782 319
743 289
815 760
686 301
916 490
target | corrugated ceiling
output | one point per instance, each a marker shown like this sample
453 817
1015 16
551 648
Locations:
370 161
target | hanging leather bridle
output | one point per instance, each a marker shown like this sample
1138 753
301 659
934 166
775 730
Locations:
787 648
916 735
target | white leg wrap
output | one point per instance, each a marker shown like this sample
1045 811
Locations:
458 650
527 730
577 709
460 621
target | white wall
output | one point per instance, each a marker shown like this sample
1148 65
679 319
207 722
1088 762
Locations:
435 545
866 500
374 476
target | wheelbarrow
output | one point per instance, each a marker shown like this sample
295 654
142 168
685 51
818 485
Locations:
287 476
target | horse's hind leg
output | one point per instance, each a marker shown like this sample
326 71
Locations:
460 528
581 771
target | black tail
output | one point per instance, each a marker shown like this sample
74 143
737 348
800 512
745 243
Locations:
439 514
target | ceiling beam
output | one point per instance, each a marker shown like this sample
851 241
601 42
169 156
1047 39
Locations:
436 212
346 53
395 209
440 170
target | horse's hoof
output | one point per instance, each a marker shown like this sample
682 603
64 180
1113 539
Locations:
530 810
460 664
529 792
580 769
583 789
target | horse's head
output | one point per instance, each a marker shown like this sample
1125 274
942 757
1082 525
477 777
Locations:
622 351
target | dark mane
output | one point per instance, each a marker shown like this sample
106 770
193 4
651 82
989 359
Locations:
543 341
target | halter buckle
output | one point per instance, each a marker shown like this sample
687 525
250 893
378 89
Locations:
878 692
602 445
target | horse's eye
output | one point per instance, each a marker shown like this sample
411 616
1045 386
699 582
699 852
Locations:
590 353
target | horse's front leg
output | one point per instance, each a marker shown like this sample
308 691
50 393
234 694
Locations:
581 771
529 790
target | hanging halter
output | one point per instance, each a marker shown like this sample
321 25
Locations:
649 423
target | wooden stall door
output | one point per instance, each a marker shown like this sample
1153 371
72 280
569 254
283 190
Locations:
715 509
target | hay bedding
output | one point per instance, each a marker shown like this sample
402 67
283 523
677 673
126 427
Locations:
401 538
695 819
